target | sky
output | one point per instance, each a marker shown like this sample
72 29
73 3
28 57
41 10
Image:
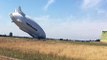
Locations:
68 19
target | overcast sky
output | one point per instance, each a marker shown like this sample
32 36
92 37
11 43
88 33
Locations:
71 19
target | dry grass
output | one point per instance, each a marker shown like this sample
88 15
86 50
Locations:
6 58
80 51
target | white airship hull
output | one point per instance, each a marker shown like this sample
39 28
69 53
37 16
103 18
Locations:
27 25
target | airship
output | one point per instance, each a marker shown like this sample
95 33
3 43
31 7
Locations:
26 24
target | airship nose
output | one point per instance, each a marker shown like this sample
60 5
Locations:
10 14
12 17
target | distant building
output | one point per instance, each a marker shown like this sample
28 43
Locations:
10 34
104 36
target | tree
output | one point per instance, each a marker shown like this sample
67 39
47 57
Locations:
11 34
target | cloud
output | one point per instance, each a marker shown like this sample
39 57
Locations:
48 4
68 29
94 9
42 18
11 27
71 29
102 12
75 30
87 4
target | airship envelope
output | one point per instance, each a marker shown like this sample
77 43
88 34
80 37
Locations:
27 25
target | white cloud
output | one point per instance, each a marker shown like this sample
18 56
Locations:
48 4
68 29
11 27
95 8
71 29
102 12
75 30
42 17
90 4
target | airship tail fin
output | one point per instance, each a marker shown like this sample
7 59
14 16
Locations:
20 11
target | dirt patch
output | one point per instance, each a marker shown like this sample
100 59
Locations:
7 58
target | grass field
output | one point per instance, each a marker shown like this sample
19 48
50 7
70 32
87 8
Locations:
32 49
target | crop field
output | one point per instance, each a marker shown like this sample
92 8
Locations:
33 49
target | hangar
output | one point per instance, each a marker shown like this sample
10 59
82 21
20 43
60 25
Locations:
104 36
